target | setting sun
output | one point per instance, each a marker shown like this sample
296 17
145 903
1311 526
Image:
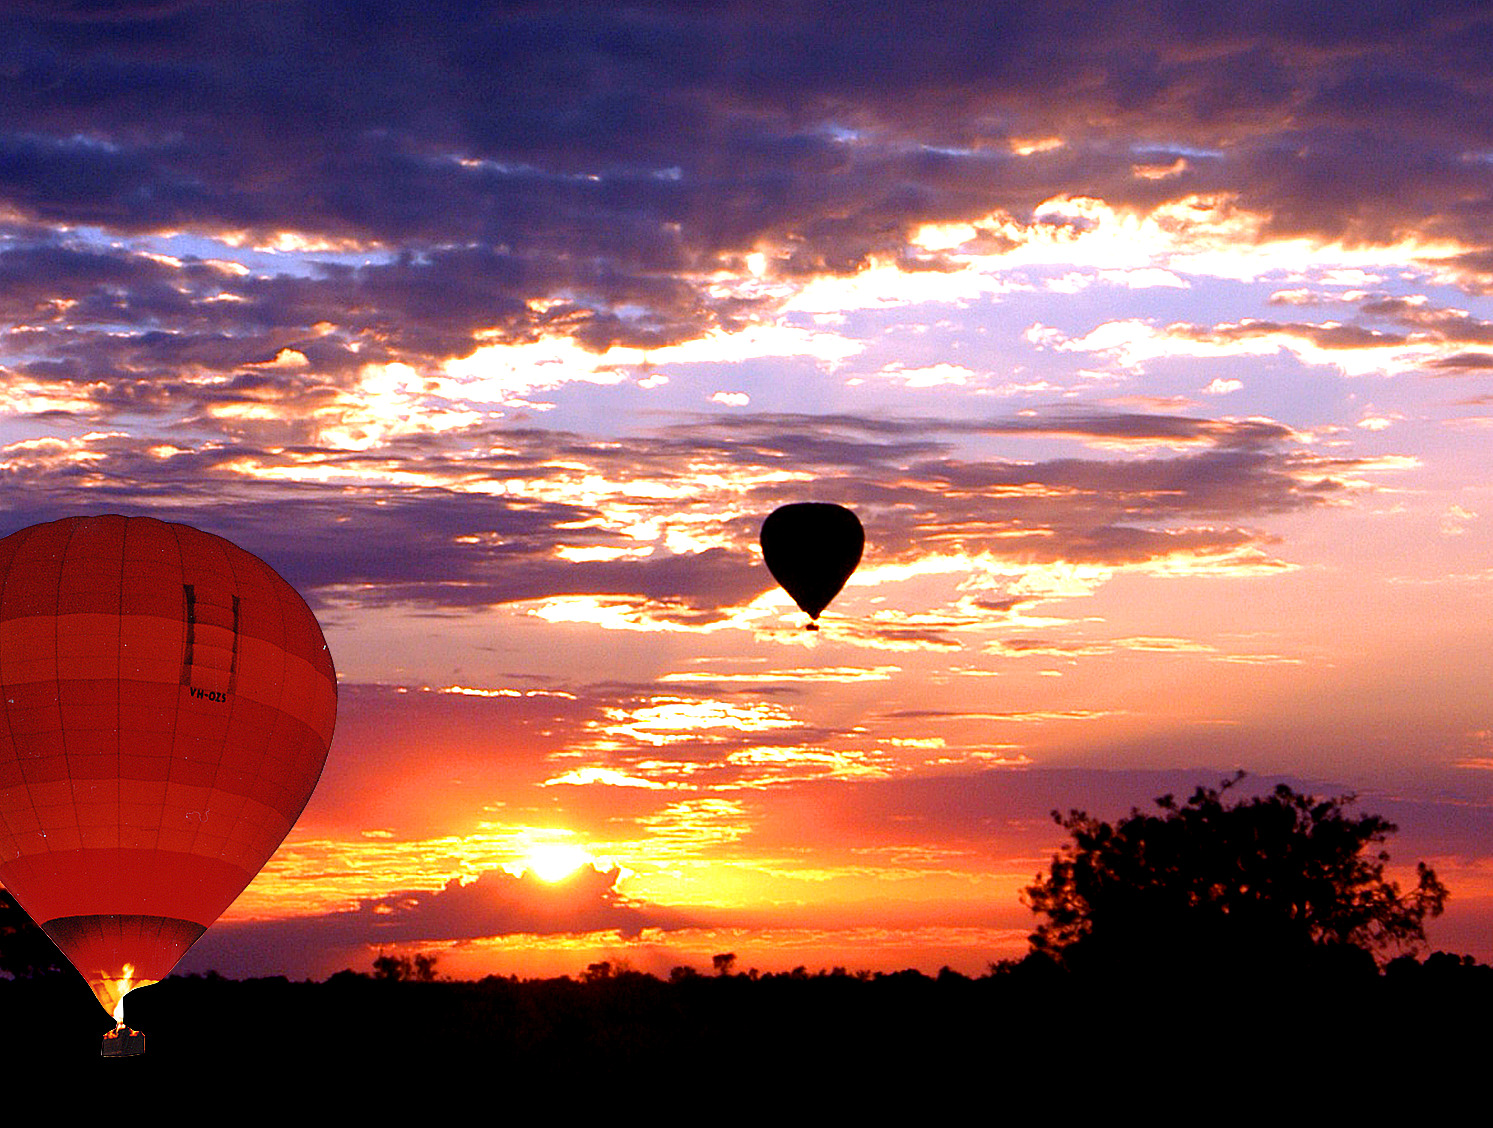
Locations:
555 861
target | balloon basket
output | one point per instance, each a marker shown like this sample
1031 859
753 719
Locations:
811 626
123 1042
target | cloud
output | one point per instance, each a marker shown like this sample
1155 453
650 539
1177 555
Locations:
594 172
1424 336
1465 361
495 903
658 531
433 762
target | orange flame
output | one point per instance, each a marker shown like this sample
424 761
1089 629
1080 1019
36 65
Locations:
110 988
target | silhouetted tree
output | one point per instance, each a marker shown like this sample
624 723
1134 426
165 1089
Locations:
1272 882
392 967
597 972
25 950
723 962
421 969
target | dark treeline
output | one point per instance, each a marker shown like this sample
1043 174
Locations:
1025 1014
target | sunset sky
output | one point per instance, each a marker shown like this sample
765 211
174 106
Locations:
1151 342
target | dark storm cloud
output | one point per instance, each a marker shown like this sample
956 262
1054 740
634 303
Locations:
609 157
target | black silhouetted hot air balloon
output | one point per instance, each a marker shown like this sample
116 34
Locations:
811 548
166 706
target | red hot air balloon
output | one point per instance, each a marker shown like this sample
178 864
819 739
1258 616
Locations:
166 705
811 548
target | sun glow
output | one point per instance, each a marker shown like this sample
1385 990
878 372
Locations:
555 861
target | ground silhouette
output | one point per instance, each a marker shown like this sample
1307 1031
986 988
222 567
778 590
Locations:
1029 1018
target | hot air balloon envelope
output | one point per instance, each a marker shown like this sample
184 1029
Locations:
166 705
811 548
